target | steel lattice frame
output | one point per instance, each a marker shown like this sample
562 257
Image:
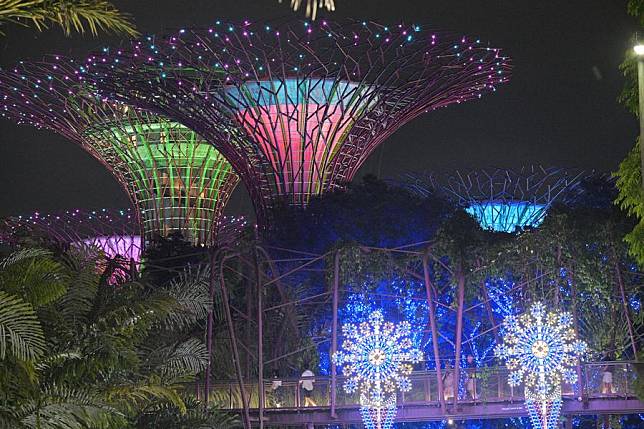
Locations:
502 199
176 181
297 109
116 232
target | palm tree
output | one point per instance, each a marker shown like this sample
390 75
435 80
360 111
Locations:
28 279
70 15
80 352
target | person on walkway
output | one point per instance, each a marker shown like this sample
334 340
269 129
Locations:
448 383
276 391
307 381
470 368
607 381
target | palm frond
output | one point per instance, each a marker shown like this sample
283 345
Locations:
83 279
63 407
187 358
191 292
8 419
57 359
34 275
196 417
129 305
20 330
136 397
23 254
69 15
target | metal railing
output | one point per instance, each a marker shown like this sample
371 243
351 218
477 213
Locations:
476 386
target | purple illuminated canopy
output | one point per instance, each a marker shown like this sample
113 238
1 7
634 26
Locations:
115 232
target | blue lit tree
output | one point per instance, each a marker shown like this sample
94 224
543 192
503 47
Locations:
370 213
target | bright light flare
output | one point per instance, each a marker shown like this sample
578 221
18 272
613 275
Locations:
639 49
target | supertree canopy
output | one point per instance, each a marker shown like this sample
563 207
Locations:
176 181
298 108
115 232
502 199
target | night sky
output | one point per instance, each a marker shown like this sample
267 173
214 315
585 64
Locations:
559 108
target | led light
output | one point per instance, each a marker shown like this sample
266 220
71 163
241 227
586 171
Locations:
540 348
277 107
374 358
501 200
639 49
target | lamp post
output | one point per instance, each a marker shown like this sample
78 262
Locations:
639 52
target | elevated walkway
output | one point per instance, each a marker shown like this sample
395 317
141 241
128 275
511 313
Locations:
494 398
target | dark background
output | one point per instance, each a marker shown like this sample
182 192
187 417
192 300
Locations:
559 108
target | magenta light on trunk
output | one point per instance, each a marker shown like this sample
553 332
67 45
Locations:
299 126
297 108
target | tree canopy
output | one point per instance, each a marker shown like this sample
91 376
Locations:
371 213
629 174
79 352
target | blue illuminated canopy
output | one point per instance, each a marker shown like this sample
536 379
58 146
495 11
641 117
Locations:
507 216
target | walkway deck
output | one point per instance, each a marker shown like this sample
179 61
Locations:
432 412
495 398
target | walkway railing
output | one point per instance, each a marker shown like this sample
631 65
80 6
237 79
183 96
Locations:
490 386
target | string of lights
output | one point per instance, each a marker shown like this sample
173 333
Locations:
500 199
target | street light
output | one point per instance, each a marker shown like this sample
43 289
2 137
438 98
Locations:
639 52
639 49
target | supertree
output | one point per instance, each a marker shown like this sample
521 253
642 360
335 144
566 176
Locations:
176 181
502 199
298 108
115 232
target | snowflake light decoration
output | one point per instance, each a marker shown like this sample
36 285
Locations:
376 358
540 350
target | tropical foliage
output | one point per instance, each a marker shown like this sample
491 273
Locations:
370 213
79 352
76 16
629 174
575 260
